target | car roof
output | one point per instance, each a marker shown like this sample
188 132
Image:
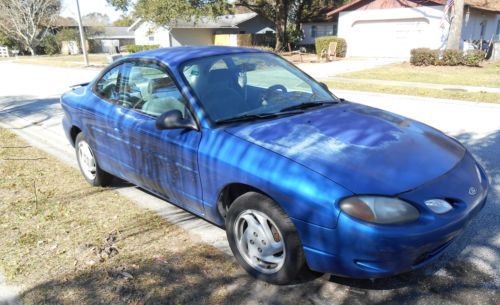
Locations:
175 56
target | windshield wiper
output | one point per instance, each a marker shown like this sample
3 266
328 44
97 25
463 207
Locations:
247 117
306 105
251 117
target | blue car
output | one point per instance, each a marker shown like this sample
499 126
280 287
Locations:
300 179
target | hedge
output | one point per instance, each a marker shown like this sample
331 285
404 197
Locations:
134 48
323 43
428 57
424 57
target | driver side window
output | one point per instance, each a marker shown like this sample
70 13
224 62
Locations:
107 86
146 88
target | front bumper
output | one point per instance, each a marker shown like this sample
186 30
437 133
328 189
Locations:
362 250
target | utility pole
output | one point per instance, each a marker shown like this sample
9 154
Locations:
455 34
82 36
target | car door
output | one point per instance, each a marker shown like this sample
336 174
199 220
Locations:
163 161
98 117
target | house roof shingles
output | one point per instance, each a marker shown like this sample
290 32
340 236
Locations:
488 5
225 21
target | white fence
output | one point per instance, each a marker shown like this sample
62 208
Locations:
4 52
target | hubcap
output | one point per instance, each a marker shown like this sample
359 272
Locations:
259 241
87 160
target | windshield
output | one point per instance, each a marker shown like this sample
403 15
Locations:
251 85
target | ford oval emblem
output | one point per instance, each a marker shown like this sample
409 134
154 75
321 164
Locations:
472 191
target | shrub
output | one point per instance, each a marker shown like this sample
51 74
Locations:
323 43
264 48
49 45
424 57
473 58
134 48
452 58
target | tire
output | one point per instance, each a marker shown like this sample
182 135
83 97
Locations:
94 175
256 245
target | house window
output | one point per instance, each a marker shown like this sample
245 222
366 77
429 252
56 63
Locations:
151 38
483 28
314 31
498 29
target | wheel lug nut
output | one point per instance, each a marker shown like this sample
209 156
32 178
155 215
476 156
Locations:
260 250
251 242
264 242
255 234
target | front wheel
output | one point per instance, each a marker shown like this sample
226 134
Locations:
264 240
88 163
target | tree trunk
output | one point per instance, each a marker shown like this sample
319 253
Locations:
280 24
32 51
455 34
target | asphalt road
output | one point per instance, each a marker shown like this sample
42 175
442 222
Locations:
468 272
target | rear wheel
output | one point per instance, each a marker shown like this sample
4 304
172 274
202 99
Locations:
264 240
88 164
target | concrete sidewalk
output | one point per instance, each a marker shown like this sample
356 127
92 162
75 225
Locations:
415 84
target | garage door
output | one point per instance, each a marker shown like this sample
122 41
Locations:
387 38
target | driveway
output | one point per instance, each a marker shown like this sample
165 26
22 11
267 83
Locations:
468 272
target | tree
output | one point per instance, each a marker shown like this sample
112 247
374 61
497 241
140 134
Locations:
164 12
26 21
283 12
455 34
124 21
275 10
95 19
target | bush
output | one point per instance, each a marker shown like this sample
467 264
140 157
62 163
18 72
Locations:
49 45
473 58
452 58
264 48
424 57
134 48
323 43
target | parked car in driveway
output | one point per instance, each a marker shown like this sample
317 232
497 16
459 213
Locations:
300 179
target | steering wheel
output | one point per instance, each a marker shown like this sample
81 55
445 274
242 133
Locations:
273 91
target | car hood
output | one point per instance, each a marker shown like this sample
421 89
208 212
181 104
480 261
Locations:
366 150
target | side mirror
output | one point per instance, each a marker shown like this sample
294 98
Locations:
173 120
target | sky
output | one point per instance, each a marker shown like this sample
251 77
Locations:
89 6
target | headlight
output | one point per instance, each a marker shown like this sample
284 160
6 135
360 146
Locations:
382 210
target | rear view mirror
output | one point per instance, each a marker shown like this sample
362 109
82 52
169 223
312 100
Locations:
246 67
174 120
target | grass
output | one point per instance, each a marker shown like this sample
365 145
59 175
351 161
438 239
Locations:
73 61
65 242
487 76
412 91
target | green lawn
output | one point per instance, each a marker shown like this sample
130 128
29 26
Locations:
487 76
437 93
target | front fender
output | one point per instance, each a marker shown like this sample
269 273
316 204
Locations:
303 194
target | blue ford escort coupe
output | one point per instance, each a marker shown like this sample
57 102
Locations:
300 179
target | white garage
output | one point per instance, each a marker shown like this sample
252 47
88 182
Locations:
390 28
400 36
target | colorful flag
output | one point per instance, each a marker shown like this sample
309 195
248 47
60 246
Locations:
448 10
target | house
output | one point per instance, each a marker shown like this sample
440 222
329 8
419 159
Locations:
318 26
222 30
391 28
108 39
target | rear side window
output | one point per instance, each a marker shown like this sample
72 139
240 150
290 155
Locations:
107 86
